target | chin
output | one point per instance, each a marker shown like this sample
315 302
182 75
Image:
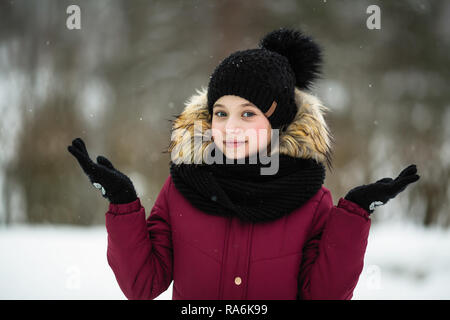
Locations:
236 155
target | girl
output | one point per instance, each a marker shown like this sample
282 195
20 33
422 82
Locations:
223 230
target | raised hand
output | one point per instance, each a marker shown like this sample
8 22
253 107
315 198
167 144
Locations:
378 193
114 185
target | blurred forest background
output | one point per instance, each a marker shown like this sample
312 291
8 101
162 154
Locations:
118 81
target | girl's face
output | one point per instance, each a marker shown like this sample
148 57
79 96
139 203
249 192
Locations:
239 128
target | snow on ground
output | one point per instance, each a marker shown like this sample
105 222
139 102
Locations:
405 262
53 262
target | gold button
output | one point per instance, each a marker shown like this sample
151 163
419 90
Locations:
238 280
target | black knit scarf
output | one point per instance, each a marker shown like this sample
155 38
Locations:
240 190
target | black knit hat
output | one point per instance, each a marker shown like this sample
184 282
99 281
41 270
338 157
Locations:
285 58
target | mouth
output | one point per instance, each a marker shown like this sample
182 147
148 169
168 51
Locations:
233 143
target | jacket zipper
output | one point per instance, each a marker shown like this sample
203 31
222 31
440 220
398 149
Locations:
249 254
224 256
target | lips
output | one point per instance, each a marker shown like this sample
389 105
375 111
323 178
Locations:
233 143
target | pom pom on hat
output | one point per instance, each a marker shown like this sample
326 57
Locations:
304 55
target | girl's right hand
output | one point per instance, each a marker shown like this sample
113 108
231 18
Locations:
115 186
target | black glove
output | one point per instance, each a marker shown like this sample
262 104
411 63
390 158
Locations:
115 186
378 193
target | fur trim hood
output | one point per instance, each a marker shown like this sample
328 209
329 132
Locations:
307 136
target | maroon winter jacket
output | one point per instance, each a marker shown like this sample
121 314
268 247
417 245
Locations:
315 252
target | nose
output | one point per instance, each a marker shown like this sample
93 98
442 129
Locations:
233 133
233 130
233 127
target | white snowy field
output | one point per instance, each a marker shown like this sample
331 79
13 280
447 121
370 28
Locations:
50 262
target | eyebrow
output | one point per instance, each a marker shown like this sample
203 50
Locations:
241 105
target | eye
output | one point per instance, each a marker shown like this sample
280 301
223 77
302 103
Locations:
249 112
218 113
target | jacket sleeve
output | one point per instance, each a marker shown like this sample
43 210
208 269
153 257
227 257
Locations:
139 250
333 257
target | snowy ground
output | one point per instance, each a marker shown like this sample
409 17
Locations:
49 262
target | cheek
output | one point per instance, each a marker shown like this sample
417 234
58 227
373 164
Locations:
217 129
260 134
263 130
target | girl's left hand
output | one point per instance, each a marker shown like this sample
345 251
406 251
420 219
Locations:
378 193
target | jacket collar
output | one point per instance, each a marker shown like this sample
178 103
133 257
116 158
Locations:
308 136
